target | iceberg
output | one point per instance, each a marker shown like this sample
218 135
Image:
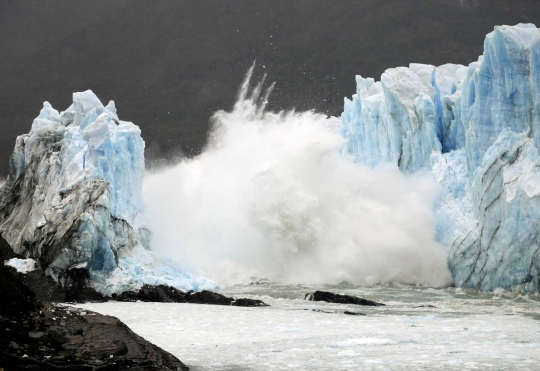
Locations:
73 199
477 128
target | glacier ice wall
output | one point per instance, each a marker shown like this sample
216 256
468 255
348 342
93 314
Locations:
478 129
73 198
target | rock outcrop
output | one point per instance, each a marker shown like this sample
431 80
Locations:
164 294
34 336
330 297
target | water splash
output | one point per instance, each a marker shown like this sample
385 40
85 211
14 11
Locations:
271 196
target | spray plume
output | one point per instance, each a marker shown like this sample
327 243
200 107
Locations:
271 196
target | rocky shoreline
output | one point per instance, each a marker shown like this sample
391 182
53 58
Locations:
37 332
37 336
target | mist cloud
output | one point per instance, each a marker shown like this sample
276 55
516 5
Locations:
273 197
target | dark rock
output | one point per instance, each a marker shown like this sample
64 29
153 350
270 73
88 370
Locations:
425 306
249 303
75 280
45 288
76 289
207 297
6 252
55 335
354 313
57 340
17 299
167 294
36 334
86 354
161 293
340 299
147 293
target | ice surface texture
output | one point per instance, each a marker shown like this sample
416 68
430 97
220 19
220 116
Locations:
22 265
478 129
73 197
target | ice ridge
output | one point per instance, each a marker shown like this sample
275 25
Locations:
478 129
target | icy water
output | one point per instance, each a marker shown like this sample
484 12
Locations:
418 329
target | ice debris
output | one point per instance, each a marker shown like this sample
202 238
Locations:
22 265
478 129
73 198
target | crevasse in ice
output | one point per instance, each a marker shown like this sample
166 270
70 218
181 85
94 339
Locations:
73 198
478 129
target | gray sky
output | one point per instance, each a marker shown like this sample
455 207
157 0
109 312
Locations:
170 64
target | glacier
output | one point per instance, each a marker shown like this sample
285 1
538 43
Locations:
73 199
477 128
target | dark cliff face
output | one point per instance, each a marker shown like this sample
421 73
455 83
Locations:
171 64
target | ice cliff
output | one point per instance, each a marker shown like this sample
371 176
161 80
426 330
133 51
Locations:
73 198
478 129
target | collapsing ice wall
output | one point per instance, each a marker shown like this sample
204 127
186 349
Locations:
478 129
